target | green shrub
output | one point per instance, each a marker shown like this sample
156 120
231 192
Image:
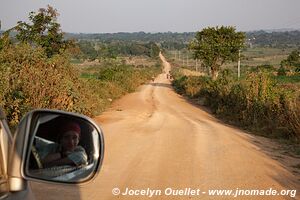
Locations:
281 71
179 84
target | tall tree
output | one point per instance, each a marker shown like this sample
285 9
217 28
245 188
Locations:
217 45
44 30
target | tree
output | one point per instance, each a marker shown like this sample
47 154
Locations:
4 40
293 60
217 45
44 31
153 49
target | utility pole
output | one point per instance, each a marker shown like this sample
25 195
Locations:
239 65
187 59
182 60
196 65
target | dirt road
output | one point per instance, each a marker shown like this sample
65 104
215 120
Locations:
156 140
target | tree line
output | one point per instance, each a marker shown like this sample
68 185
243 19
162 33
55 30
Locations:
170 40
274 39
93 50
135 36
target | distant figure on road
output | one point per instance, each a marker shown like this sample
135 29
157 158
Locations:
152 78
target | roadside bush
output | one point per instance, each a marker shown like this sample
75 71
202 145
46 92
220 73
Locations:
256 103
179 84
30 80
188 85
119 75
281 71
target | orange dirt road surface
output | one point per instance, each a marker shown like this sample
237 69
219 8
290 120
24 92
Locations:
155 139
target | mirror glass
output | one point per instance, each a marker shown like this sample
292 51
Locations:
62 148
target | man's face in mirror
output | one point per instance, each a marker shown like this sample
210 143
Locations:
69 140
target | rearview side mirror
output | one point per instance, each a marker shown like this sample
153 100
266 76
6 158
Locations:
56 146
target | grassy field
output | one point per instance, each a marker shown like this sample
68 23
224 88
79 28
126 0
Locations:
263 56
250 57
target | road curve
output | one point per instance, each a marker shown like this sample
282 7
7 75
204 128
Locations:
156 139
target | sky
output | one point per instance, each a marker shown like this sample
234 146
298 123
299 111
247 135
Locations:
111 16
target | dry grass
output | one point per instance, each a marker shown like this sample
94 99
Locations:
187 72
139 61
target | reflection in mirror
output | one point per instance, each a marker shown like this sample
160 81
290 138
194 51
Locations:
64 148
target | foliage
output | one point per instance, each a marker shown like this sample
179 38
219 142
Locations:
43 31
126 77
217 45
153 49
4 40
30 80
93 50
87 49
283 80
265 68
140 37
37 73
293 60
281 71
170 40
278 39
257 103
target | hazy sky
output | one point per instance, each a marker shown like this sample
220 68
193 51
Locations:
107 16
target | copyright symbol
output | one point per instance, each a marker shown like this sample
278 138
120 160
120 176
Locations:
116 191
